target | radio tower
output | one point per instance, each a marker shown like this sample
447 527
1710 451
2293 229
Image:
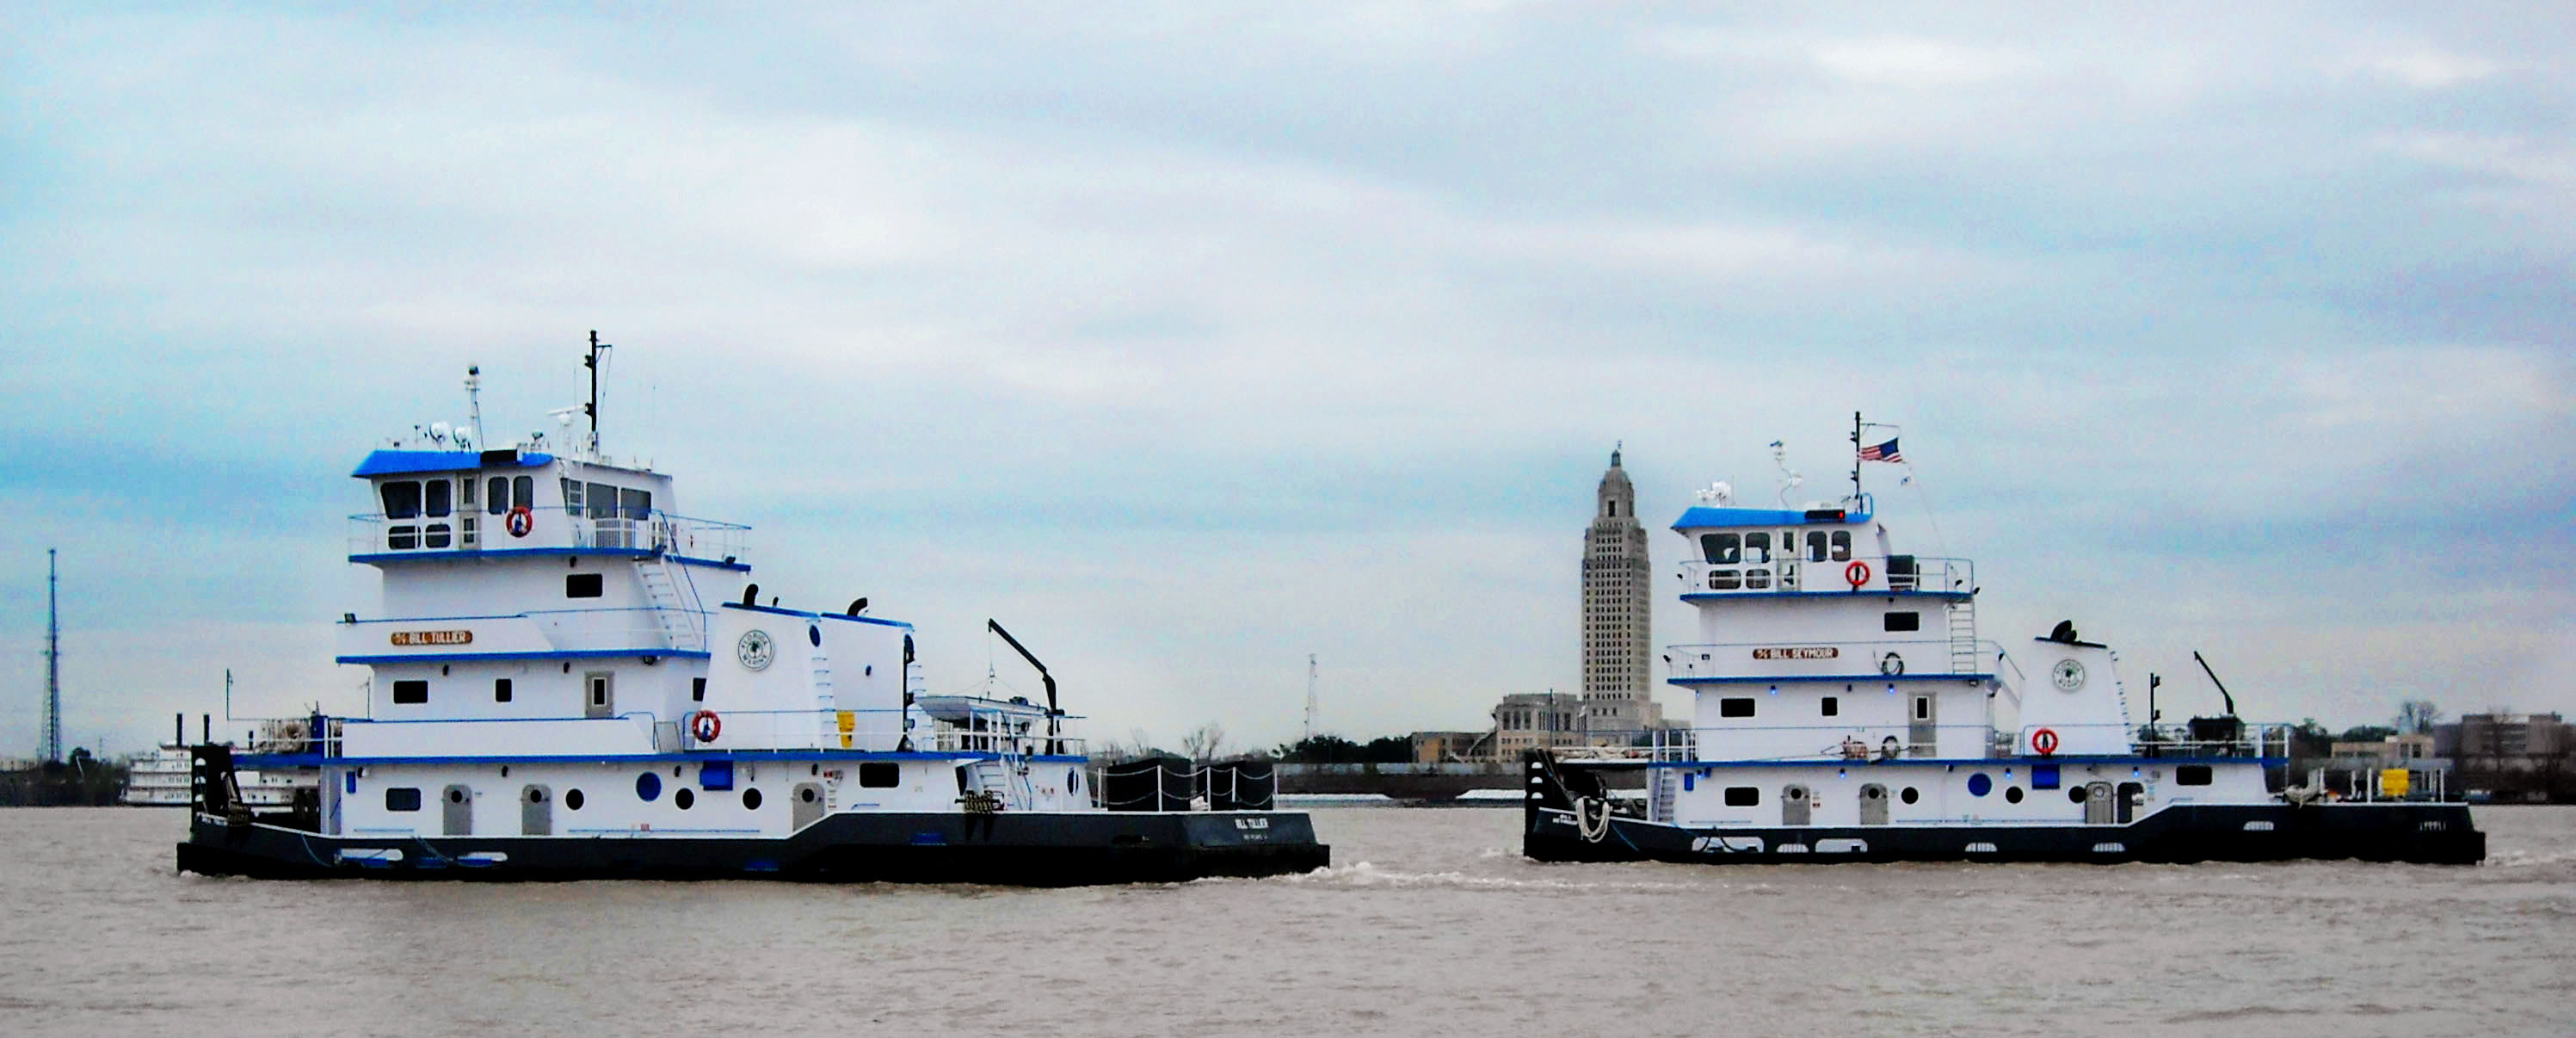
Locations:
1310 697
53 750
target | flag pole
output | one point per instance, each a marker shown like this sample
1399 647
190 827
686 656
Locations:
1855 459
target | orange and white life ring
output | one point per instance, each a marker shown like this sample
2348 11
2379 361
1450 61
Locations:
705 725
2043 741
1856 574
522 519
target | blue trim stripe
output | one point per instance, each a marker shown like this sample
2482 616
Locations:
1838 679
485 657
274 761
400 462
1700 518
1719 596
692 560
1960 762
803 615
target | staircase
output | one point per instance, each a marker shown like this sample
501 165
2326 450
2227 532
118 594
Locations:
1963 636
674 607
1666 780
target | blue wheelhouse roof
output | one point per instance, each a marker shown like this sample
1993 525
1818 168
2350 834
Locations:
397 463
1701 518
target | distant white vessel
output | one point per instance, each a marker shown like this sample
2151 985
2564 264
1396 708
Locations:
1846 710
160 778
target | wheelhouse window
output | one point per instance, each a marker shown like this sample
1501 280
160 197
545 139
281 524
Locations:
1725 549
402 499
1841 541
602 500
496 494
1757 547
523 492
435 498
572 496
1817 550
635 504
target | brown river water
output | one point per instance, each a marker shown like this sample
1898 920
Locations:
1430 922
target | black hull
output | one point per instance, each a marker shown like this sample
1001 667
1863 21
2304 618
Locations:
2436 834
1028 849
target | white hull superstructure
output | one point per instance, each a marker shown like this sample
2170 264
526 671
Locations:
1846 708
561 655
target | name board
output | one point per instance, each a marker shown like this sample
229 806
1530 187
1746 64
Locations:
433 637
1814 652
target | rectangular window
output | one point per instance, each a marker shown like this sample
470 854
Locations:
402 499
880 775
523 492
1738 706
697 690
436 535
1922 708
465 494
602 500
500 690
635 504
411 691
1904 621
2192 775
1833 706
572 496
1757 547
1842 545
402 799
1720 548
497 494
1743 796
436 503
583 585
1816 550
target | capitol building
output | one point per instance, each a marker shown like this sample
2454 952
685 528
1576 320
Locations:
1617 704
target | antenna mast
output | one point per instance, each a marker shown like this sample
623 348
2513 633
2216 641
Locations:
474 400
591 361
53 750
1310 696
1855 459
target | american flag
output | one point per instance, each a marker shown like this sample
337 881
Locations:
1881 452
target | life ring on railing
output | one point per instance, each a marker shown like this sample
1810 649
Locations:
2043 741
705 725
522 519
1856 574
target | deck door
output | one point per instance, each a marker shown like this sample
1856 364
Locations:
2097 804
1873 804
807 804
1923 725
456 807
1794 809
536 811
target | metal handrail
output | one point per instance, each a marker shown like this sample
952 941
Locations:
371 533
1796 572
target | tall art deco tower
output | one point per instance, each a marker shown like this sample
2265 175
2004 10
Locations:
1616 627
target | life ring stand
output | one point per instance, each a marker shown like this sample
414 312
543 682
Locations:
1856 574
522 519
2043 741
705 725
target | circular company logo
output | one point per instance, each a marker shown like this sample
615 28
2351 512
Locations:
2068 674
755 649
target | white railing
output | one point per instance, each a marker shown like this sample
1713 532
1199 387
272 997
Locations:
663 532
1895 741
1782 573
879 731
1751 661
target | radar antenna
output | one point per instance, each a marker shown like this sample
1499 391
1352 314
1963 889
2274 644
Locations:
1789 478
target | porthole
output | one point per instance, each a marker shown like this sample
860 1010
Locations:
648 787
751 799
814 634
684 799
536 794
572 800
2012 795
2075 794
806 794
456 794
1910 795
1979 785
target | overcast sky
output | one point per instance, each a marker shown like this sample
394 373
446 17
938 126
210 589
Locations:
1192 340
